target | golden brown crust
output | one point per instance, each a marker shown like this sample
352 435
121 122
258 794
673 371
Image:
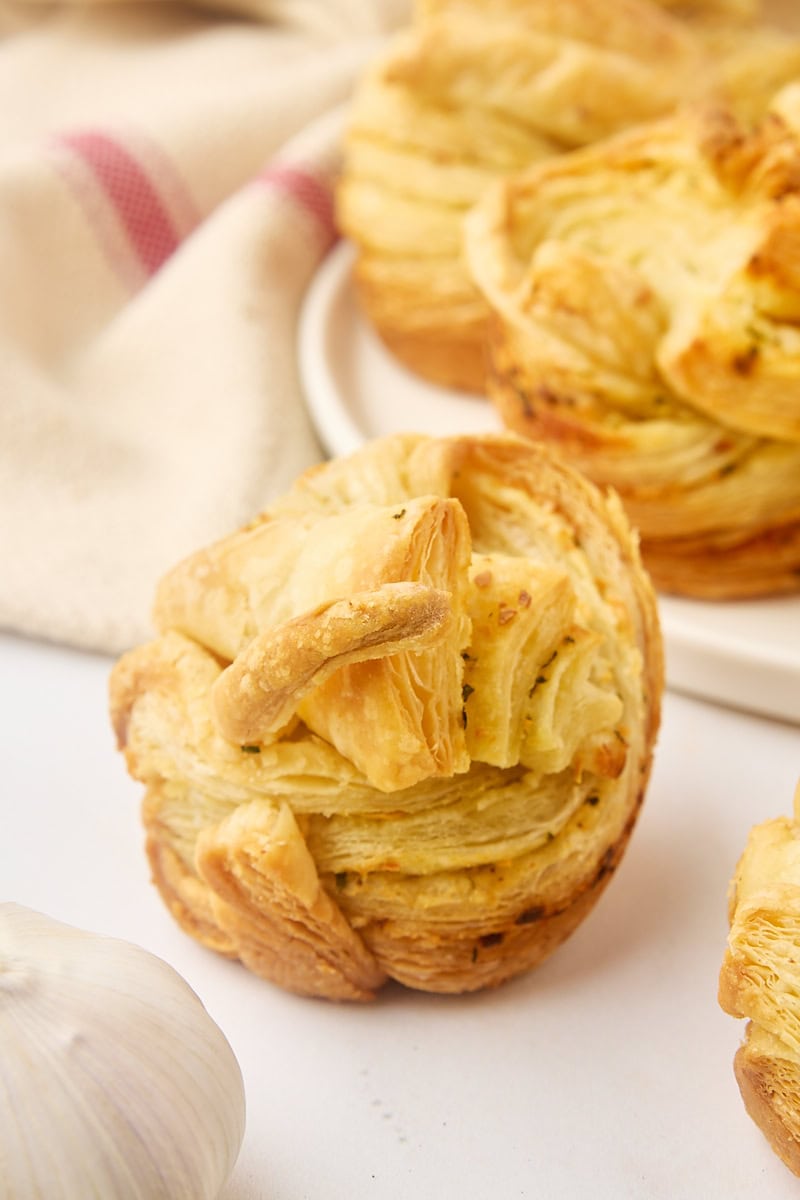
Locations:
723 567
645 323
760 980
447 815
268 897
769 1082
507 942
226 598
186 897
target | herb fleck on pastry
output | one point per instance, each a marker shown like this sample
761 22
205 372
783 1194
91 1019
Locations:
401 725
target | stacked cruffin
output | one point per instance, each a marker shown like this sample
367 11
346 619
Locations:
760 979
645 300
474 90
399 727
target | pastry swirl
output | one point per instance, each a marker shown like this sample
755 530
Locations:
399 727
645 299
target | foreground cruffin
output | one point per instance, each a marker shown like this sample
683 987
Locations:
760 980
400 726
645 298
474 90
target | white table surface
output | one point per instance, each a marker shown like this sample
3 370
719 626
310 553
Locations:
606 1073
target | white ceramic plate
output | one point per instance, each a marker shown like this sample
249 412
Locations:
745 654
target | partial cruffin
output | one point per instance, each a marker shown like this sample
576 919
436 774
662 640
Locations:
760 980
645 299
746 10
400 726
474 90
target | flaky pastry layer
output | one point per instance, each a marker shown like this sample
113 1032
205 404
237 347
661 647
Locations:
476 89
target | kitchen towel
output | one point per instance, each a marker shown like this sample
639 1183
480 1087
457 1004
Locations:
166 177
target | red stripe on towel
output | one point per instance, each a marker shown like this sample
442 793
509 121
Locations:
311 193
132 193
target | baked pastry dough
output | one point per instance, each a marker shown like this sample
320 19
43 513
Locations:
402 724
477 89
645 296
760 980
470 92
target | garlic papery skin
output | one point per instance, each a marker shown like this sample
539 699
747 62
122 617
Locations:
115 1083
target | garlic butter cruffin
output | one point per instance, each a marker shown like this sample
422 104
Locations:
760 980
401 725
645 298
474 90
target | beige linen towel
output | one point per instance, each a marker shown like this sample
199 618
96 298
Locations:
165 200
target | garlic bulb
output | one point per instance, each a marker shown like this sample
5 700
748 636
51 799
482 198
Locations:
114 1080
